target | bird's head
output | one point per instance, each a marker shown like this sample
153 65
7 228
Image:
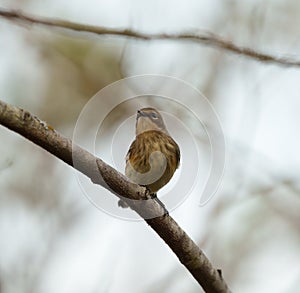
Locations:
149 119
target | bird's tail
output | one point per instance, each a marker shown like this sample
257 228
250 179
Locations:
123 204
154 196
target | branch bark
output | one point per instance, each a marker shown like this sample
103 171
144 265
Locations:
43 135
207 38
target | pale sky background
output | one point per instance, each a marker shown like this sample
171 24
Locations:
53 239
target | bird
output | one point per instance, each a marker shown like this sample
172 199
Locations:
153 156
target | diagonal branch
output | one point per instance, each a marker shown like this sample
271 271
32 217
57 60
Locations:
206 38
43 135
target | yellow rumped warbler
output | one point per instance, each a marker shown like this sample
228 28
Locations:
153 156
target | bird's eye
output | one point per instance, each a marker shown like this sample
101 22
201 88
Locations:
154 115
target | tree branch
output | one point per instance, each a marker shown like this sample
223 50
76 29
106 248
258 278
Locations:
206 38
43 135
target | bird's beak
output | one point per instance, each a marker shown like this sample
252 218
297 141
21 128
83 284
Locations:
140 114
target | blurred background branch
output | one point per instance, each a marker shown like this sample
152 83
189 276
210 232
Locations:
207 38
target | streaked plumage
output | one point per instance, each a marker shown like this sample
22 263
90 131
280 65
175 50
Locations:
153 156
152 171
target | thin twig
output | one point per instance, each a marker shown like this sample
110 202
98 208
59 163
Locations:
43 135
206 38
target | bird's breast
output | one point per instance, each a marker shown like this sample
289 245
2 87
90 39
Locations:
152 159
